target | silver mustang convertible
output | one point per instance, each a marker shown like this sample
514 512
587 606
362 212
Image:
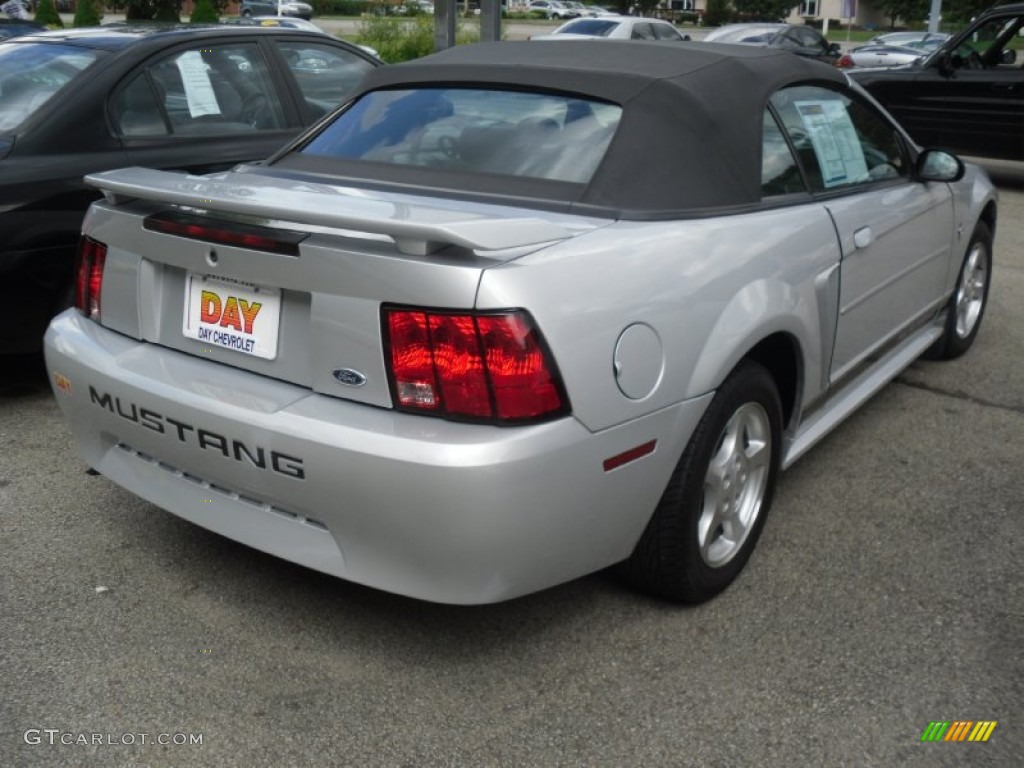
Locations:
519 312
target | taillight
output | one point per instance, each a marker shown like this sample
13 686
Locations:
92 255
487 366
845 61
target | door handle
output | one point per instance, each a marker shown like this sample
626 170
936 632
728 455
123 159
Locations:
863 237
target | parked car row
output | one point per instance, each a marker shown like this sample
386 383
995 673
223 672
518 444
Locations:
517 312
511 314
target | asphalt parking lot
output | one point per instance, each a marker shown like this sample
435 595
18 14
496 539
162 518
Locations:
886 593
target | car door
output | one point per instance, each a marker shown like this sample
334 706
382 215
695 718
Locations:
204 107
895 233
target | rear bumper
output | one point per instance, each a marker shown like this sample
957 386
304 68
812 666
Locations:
447 512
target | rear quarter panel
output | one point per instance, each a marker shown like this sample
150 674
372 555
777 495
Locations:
710 289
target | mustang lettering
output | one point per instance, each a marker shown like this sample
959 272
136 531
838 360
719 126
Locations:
231 448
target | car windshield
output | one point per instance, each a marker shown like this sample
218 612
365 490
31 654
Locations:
536 135
32 74
595 27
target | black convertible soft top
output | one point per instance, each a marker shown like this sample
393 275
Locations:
689 139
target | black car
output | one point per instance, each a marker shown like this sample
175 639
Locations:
968 95
796 38
194 99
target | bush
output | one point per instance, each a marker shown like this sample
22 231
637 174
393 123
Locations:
718 12
204 13
47 14
341 7
396 39
86 14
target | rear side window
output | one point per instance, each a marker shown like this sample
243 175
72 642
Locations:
326 75
535 135
595 27
32 74
211 90
780 174
841 141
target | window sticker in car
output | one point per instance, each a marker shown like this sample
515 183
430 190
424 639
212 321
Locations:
199 93
835 142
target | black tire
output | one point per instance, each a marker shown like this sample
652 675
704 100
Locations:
970 298
677 555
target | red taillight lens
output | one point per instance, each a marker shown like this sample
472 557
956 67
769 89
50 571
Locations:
92 256
479 367
845 61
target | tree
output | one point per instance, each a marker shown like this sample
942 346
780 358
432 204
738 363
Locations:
718 12
153 10
86 14
905 10
764 10
47 14
962 11
204 13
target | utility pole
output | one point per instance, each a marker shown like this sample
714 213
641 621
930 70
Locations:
446 12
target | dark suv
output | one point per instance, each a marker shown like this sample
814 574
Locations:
968 95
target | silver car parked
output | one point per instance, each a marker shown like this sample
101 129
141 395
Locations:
520 312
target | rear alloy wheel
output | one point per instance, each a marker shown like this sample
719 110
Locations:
712 512
970 297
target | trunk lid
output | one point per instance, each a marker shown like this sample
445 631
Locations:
311 317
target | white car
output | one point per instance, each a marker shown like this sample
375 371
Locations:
553 9
615 28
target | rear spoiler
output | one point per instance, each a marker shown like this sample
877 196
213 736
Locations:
417 229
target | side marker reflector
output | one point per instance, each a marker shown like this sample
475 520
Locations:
631 455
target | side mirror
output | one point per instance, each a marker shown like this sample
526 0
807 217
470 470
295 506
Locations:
1008 56
945 63
939 165
834 50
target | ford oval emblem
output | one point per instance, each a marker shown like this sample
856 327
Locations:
349 377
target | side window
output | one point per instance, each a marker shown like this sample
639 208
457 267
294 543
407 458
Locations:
201 91
780 174
137 109
326 75
808 39
789 42
642 32
840 140
666 32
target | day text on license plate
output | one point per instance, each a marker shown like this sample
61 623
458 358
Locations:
233 315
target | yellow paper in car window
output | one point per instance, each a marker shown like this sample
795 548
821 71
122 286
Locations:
835 142
199 93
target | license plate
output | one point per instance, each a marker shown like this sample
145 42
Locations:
232 315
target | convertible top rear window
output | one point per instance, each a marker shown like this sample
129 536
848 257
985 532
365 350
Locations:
518 133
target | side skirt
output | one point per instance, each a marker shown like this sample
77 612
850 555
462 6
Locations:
855 392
